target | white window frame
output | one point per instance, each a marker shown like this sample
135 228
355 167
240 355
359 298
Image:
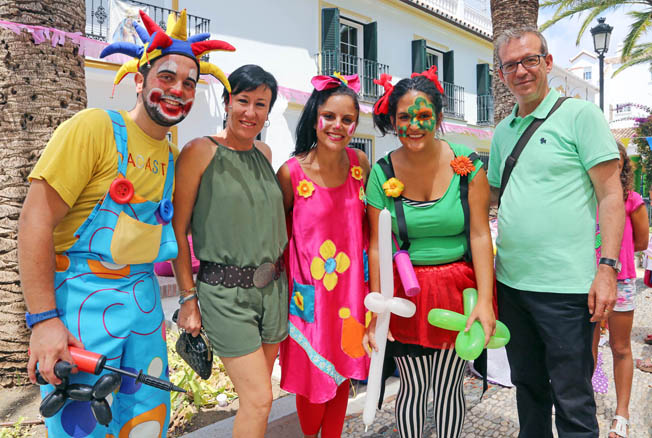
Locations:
440 58
360 28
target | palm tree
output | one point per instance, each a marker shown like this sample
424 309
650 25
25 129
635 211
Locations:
40 87
633 53
507 14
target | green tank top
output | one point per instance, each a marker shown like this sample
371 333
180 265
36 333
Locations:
238 217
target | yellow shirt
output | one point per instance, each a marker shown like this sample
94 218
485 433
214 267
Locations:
81 160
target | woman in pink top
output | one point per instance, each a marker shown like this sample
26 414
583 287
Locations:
324 197
635 238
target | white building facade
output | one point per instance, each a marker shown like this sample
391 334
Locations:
297 39
625 95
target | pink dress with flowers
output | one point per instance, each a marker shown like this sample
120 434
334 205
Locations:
328 282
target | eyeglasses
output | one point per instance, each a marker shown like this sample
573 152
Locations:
528 62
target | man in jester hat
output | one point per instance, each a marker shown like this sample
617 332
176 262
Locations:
96 219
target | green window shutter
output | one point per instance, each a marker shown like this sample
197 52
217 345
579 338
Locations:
330 40
371 41
418 56
483 79
449 67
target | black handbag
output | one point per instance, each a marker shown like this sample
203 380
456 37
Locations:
196 351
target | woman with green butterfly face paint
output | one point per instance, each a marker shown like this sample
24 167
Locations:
433 174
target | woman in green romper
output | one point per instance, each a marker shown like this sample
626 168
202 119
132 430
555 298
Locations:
228 196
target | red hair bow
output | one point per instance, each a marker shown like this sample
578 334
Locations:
326 82
382 105
431 74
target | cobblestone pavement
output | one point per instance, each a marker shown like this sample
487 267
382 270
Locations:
495 415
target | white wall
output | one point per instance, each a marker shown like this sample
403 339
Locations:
632 85
283 37
568 84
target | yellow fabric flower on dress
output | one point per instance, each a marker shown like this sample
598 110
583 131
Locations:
329 265
362 195
356 172
305 188
393 187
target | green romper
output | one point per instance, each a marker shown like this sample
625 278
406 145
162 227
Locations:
238 219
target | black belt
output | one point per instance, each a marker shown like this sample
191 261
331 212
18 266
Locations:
235 276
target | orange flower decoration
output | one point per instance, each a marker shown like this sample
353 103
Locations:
462 165
305 188
356 172
393 187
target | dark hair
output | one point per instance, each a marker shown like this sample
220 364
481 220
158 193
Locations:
248 78
305 133
418 83
626 173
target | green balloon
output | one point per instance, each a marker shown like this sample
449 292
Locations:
447 319
501 337
470 299
469 345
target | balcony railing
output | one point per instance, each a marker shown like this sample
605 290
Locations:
368 70
97 19
453 100
461 11
485 109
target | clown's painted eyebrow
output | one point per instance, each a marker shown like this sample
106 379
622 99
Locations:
192 75
168 66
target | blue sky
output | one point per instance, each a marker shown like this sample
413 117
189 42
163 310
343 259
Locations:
562 35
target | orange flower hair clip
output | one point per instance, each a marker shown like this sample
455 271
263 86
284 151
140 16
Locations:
462 165
393 187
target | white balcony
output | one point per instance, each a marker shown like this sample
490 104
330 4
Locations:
461 11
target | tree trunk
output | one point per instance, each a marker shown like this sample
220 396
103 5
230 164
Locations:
40 87
507 14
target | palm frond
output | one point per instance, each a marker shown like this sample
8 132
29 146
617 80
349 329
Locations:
587 22
640 26
640 54
567 8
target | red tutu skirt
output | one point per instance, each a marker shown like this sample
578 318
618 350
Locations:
441 288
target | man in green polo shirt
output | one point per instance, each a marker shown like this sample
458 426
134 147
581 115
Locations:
550 292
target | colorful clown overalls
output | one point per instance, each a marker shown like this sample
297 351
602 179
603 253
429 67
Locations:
106 288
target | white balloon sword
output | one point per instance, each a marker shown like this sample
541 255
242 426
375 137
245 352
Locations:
383 304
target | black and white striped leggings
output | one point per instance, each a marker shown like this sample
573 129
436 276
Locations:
443 372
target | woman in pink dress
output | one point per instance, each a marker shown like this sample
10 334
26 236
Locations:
324 197
635 238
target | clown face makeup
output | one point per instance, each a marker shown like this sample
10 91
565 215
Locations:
336 122
169 91
416 119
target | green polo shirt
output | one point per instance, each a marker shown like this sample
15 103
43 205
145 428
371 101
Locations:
546 220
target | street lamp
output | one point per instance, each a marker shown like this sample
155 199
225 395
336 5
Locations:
601 34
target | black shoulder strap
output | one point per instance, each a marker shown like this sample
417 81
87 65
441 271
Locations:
520 145
388 170
464 198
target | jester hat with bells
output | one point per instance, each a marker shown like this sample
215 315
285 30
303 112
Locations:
159 43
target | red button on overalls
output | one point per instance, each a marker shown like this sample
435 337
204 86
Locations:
122 190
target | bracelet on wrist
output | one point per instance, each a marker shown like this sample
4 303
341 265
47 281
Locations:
32 319
187 298
186 292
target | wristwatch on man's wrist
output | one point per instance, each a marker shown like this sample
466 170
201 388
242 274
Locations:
34 318
614 263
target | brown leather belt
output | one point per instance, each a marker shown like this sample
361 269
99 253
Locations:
235 276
